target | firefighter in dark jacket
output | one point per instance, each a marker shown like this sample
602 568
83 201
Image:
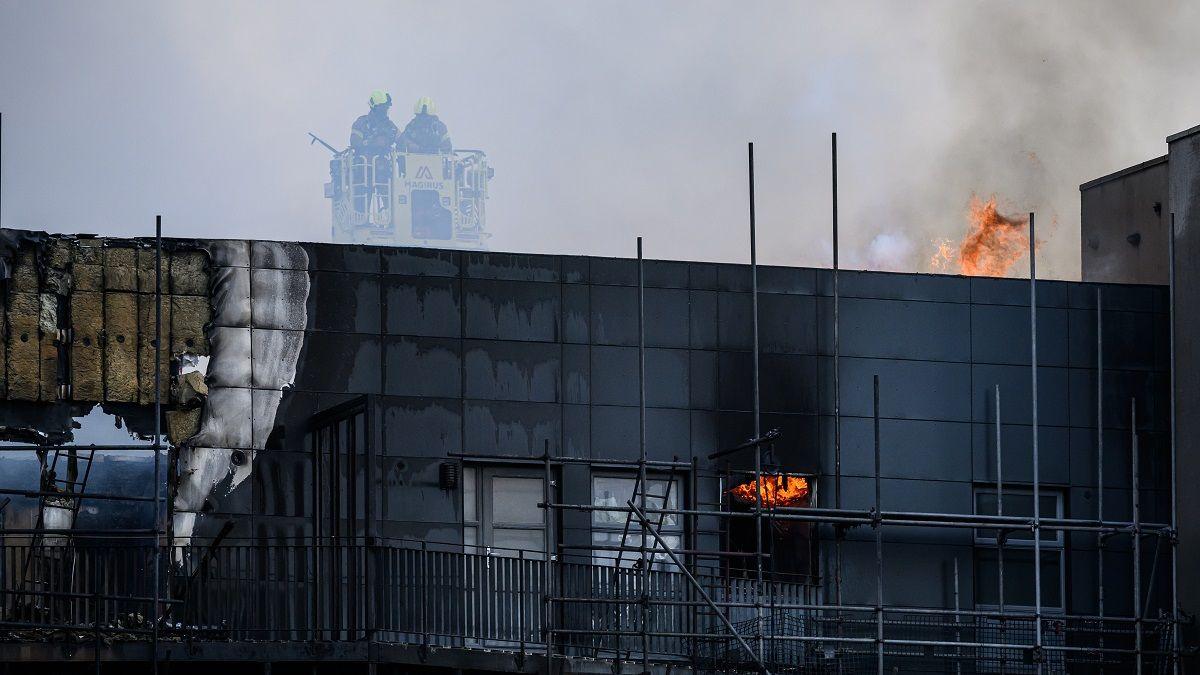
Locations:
372 138
425 133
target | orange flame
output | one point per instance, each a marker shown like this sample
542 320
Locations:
777 490
995 243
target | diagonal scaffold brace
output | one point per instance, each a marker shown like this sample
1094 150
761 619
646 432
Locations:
692 580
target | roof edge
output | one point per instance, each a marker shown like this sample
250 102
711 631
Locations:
1124 172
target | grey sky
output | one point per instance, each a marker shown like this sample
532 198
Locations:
603 120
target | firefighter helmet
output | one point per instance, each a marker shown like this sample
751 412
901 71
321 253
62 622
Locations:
380 97
424 105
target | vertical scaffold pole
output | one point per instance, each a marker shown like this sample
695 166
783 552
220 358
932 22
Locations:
158 523
1000 534
1137 536
878 542
644 573
548 569
837 407
1037 504
1174 539
758 480
1101 538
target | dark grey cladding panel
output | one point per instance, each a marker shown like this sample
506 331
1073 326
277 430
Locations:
1000 334
423 367
1016 440
614 379
666 274
576 269
508 428
511 310
576 311
614 318
667 317
702 379
295 410
702 276
339 362
1016 405
668 434
513 266
280 529
1153 449
421 426
576 374
421 262
667 379
787 324
577 430
788 382
512 371
704 435
1132 298
907 572
934 331
991 291
283 484
735 328
787 280
795 450
408 490
344 302
893 286
615 271
425 306
356 258
733 277
1132 340
615 432
576 489
415 532
927 390
912 449
1152 391
703 324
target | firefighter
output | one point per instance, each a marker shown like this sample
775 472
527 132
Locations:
425 133
372 138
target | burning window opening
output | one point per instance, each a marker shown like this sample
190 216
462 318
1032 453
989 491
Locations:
777 490
791 544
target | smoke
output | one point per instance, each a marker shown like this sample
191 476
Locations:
890 251
603 121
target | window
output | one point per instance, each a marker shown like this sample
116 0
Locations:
1018 552
609 526
501 513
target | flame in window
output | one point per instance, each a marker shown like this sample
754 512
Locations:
777 490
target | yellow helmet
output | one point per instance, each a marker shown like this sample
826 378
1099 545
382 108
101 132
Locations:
424 105
380 97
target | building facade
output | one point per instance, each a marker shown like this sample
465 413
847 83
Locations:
427 458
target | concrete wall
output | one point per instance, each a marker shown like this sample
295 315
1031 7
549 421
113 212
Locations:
1184 151
1129 203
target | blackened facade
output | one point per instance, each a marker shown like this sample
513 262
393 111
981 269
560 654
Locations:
430 386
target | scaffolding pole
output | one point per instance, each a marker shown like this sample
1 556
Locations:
1137 536
1174 539
1037 502
1101 540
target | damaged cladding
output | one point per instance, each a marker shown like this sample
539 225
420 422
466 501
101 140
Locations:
79 320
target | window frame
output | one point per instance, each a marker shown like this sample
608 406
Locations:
679 529
482 522
989 542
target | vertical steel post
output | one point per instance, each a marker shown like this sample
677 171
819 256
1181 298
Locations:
1137 536
644 487
1000 534
878 541
158 524
837 409
548 568
1037 504
1100 535
1174 539
758 481
957 619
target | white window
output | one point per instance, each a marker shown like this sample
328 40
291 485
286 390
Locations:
501 513
1018 552
609 531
